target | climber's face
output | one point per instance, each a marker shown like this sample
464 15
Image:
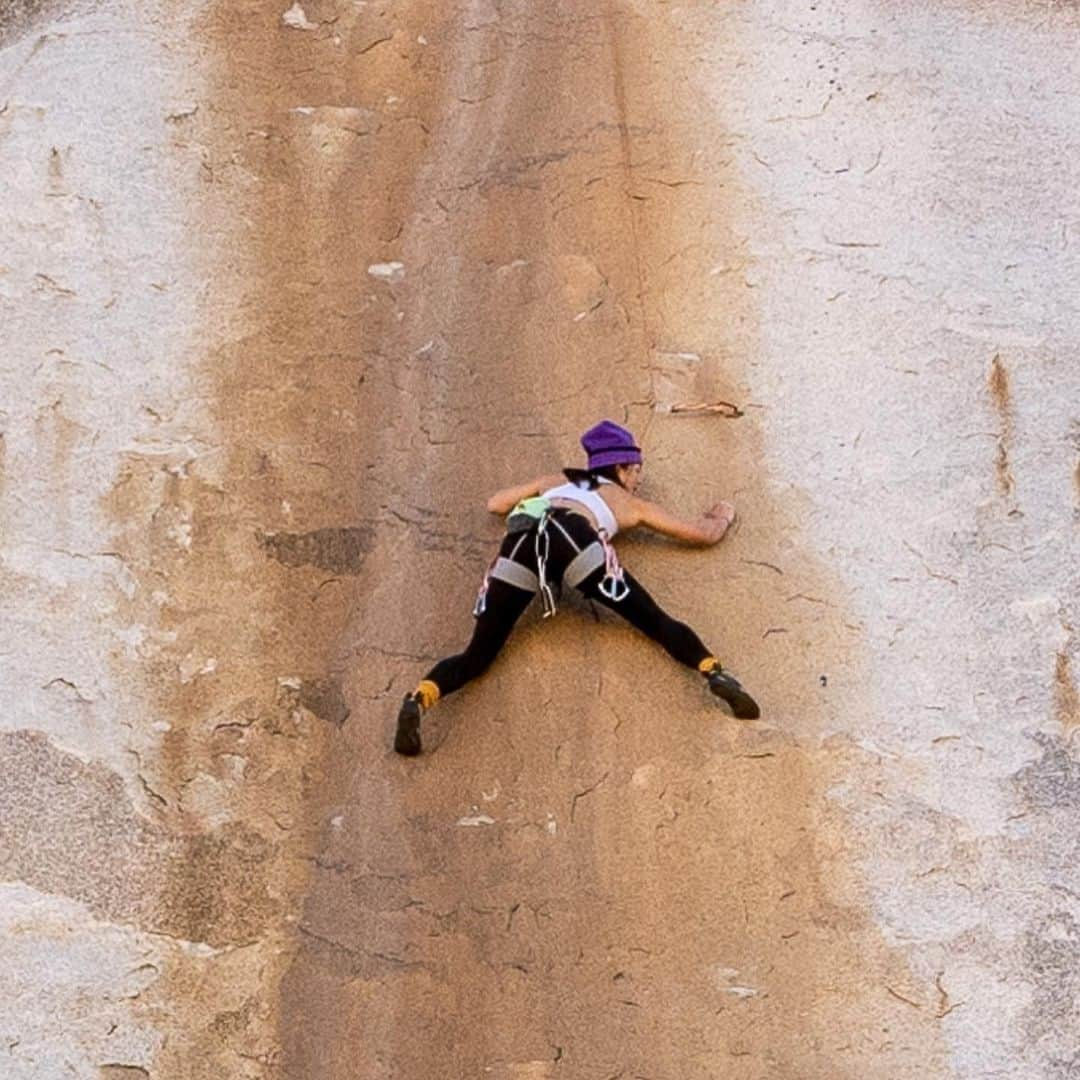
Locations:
630 477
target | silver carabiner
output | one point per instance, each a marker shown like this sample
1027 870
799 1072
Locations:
610 587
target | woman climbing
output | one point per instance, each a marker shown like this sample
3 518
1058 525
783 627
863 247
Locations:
559 532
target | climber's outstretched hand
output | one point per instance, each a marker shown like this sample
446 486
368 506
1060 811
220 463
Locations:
710 529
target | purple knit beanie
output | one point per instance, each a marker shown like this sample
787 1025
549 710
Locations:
608 444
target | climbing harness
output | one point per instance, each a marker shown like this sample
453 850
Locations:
537 513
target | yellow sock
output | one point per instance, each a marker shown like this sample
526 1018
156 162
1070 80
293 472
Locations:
428 693
708 664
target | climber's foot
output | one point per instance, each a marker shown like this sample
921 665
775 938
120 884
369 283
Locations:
407 739
725 686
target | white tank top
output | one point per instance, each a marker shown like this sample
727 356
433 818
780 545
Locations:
591 499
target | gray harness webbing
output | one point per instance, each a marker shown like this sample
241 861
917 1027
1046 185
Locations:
583 564
513 573
504 568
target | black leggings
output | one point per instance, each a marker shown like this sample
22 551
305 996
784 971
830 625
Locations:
506 603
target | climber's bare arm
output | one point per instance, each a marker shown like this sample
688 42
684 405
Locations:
502 502
709 529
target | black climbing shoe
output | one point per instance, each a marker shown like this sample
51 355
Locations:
407 739
725 686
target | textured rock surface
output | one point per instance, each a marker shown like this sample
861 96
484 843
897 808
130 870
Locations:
288 292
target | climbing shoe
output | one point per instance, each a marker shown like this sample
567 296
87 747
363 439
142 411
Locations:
407 739
725 686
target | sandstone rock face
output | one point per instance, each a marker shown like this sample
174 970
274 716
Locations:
287 291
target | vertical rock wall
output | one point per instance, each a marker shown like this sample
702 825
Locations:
915 271
288 292
153 766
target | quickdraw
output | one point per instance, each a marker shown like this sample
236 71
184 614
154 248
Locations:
543 551
613 584
481 597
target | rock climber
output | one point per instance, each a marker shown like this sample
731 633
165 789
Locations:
559 532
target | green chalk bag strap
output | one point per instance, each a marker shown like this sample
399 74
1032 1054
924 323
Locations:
527 513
